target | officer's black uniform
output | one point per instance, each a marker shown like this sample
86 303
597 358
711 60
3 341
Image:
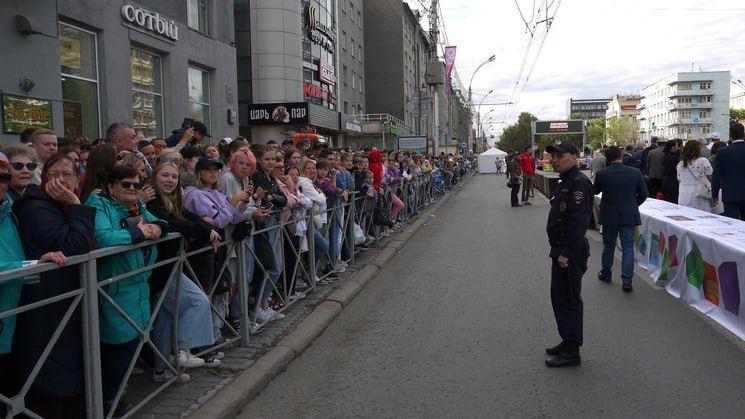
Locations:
571 208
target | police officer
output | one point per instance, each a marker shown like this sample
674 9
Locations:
568 220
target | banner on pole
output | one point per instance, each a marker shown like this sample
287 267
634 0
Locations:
449 62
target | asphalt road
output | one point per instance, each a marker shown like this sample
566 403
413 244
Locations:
457 323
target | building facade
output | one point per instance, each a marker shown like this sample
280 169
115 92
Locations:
287 53
686 105
623 106
80 65
587 109
737 101
351 69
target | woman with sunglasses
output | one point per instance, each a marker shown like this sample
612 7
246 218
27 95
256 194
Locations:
195 318
121 219
23 163
52 219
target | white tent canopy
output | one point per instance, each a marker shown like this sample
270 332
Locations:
488 158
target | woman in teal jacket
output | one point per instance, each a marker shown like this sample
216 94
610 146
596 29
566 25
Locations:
11 257
121 219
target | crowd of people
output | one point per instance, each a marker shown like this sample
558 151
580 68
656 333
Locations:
705 173
65 197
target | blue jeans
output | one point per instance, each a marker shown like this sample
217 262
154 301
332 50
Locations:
335 235
195 320
610 235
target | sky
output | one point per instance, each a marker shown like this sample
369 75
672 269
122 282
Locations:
594 48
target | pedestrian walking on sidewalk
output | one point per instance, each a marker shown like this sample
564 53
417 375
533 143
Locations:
568 219
623 190
514 174
527 164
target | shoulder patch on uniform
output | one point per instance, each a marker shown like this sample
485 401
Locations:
578 197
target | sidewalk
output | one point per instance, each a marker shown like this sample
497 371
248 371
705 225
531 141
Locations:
182 400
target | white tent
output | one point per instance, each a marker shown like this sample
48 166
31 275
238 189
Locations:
488 158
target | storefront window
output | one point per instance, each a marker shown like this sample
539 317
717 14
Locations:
199 95
79 74
147 94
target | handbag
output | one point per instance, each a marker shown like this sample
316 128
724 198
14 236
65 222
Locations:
703 186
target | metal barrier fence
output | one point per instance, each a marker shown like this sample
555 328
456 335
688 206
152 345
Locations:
271 261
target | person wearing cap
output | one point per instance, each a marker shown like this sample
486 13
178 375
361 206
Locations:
623 190
192 133
568 219
715 138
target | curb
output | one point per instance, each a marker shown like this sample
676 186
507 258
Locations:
250 383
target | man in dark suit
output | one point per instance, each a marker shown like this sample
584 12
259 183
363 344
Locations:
729 174
623 190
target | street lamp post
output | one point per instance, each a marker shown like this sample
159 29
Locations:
488 60
478 109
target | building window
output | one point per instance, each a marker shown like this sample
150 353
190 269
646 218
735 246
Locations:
354 80
685 86
360 83
345 74
199 96
706 114
346 107
359 20
705 85
685 113
196 15
359 52
79 74
344 40
147 94
351 42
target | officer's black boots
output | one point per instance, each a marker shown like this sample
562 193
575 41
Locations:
556 350
603 277
627 287
568 357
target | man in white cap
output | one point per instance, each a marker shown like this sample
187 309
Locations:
715 137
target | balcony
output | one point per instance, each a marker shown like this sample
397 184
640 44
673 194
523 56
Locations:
692 105
689 93
691 121
377 123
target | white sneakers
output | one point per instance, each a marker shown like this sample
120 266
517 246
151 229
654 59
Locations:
268 315
187 360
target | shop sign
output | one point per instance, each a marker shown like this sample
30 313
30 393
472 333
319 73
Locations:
314 24
20 113
316 92
150 21
353 126
413 144
278 113
319 33
326 73
571 126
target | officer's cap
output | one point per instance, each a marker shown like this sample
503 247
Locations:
565 147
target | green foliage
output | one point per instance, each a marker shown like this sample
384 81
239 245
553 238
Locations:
621 131
517 136
595 133
736 115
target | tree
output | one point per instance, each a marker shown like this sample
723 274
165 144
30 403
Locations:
596 133
517 136
735 115
621 131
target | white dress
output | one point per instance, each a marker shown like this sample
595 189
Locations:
687 190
